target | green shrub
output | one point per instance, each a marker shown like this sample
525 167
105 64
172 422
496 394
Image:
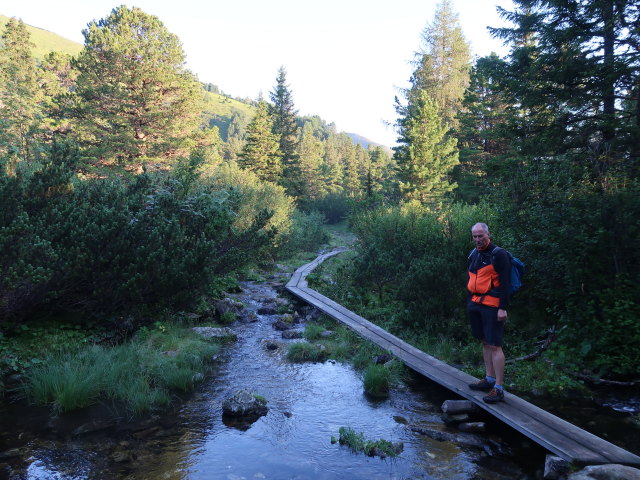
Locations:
306 234
334 207
113 246
228 318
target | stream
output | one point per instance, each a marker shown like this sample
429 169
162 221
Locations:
308 403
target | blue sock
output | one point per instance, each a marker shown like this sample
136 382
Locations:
490 379
498 387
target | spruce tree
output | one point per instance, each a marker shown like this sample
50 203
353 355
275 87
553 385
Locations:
135 98
309 182
425 154
443 64
284 123
576 76
261 153
331 166
20 95
483 135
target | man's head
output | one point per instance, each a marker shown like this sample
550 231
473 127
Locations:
481 236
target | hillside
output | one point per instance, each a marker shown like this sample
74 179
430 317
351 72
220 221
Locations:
365 142
219 110
46 41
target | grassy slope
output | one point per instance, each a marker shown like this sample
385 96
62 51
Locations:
46 41
224 106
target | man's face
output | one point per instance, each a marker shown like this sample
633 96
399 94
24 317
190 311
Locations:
480 237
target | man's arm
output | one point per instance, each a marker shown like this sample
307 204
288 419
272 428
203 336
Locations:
502 265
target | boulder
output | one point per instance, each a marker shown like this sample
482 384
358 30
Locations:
465 439
212 332
606 472
244 404
291 334
281 326
268 309
229 305
271 344
555 468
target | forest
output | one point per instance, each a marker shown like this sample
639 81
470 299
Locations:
125 200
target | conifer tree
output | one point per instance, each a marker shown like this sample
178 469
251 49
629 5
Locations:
135 98
483 131
20 95
374 178
261 153
331 165
577 75
57 79
309 184
425 155
284 123
350 174
443 64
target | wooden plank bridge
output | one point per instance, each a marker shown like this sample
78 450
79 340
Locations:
554 434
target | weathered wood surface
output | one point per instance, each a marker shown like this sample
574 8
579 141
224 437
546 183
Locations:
566 440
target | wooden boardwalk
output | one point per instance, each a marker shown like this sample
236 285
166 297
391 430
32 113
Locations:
556 435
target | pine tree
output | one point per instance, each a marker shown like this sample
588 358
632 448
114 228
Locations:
20 95
261 153
57 79
135 98
284 123
425 154
442 66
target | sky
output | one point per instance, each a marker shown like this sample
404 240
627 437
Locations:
346 60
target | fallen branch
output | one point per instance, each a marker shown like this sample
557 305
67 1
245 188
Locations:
547 338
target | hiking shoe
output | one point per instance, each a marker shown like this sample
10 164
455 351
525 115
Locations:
494 396
482 385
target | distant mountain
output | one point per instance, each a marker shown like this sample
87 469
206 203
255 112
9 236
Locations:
46 41
365 142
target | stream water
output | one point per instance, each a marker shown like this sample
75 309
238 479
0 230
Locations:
308 403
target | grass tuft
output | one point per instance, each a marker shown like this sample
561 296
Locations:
357 443
377 380
141 374
306 352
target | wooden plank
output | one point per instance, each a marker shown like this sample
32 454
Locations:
556 435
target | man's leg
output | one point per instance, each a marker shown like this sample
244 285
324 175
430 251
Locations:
497 363
487 355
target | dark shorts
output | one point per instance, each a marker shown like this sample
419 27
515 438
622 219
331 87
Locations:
484 324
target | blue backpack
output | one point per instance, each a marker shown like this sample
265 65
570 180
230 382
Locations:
517 269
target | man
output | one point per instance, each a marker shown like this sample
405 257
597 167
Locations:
489 286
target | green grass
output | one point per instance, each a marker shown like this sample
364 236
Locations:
377 381
142 374
306 352
222 106
46 41
359 444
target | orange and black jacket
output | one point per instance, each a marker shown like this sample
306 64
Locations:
489 281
